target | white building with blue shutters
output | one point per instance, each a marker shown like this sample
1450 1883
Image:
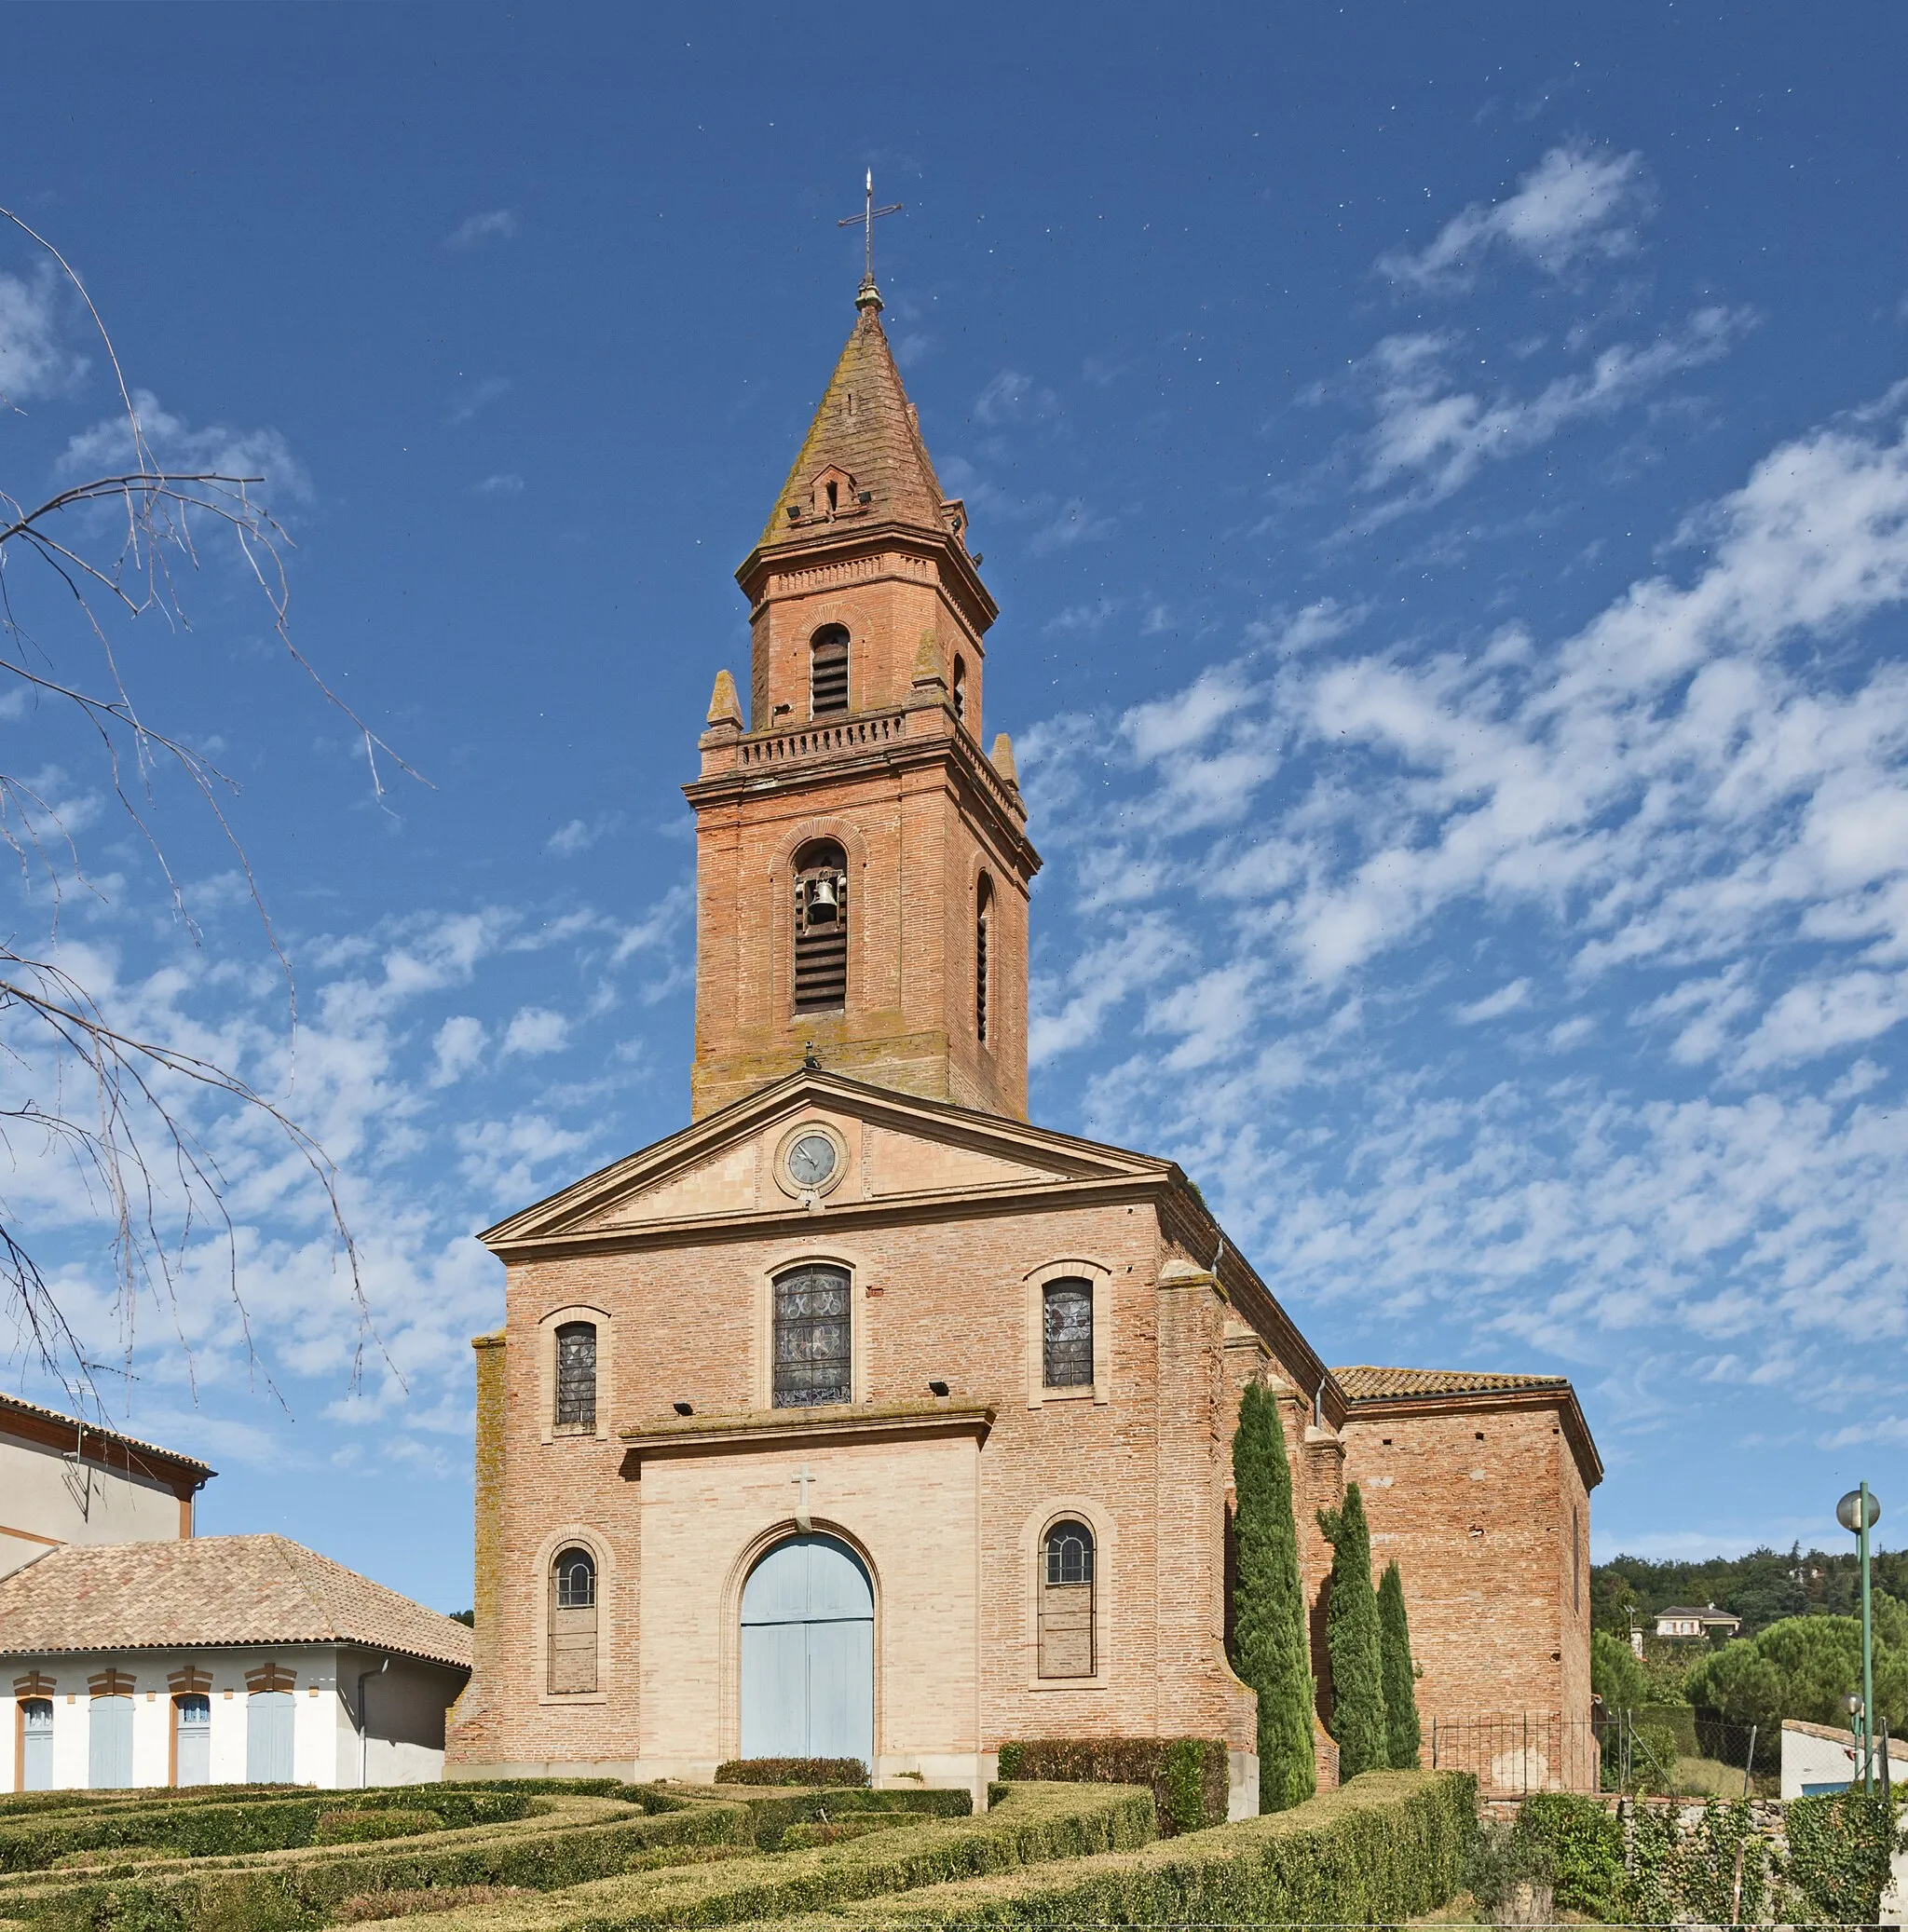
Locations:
219 1660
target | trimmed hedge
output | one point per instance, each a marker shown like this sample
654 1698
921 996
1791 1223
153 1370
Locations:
1035 1823
220 1830
851 1824
774 1816
368 1825
793 1771
1388 1848
1188 1776
571 1844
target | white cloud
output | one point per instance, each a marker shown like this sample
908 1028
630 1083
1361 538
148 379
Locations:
577 836
1579 201
498 225
459 1049
1493 1006
536 1029
32 360
176 444
1434 435
477 396
504 484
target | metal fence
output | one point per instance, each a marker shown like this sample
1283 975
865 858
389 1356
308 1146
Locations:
1518 1752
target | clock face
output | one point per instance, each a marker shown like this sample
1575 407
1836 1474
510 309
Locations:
812 1160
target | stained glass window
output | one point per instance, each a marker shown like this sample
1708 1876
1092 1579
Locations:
812 1337
1067 1338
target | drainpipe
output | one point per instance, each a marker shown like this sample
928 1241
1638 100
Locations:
363 1735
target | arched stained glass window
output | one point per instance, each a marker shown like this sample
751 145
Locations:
812 1337
576 1376
1067 1333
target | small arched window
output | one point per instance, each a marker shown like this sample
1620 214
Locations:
576 1376
572 1623
820 927
1067 1600
828 670
960 690
1067 1333
983 934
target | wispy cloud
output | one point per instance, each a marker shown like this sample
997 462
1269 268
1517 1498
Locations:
504 482
33 361
1579 201
497 224
177 445
477 396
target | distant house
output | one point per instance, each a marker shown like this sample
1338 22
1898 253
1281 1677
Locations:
219 1660
1818 1759
1680 1620
62 1480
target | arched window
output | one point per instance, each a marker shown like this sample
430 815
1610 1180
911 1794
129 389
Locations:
828 670
1067 1600
576 1376
820 927
1067 1333
813 1337
983 933
960 690
572 1623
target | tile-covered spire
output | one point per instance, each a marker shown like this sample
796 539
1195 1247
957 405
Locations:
863 462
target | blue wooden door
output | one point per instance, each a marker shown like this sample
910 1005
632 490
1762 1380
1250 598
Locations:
807 1654
193 1717
36 1739
270 1719
109 1744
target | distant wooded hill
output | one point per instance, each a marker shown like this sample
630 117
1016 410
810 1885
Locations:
1761 1588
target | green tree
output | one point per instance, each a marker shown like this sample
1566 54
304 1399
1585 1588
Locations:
1352 1641
1616 1676
1804 1666
1399 1672
1269 1604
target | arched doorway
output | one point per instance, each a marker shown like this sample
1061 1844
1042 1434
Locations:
807 1654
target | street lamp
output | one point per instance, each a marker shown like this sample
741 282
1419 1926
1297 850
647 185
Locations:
1859 1511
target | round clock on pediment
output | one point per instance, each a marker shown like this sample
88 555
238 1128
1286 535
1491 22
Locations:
812 1160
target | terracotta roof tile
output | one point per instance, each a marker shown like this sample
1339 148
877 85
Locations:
17 1405
864 425
207 1590
1365 1383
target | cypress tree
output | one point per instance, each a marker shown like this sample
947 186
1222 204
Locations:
1269 1604
1351 1642
1399 1672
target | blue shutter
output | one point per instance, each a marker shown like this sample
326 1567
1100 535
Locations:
109 1744
36 1727
269 1719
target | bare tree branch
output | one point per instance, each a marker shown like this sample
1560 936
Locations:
119 1105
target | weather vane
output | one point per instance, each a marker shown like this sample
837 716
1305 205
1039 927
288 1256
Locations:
865 220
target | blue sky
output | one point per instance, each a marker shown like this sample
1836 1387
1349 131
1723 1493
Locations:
1443 474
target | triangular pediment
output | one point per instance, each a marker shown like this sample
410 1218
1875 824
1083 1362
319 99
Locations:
878 1147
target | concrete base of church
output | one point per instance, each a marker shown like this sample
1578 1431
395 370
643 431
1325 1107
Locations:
960 1770
620 1768
1242 1785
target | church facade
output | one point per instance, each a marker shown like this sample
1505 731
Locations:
864 1417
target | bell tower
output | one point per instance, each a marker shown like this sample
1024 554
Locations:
861 866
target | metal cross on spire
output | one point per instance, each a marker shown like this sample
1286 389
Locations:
867 219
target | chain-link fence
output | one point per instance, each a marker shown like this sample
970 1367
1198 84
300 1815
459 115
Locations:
1660 1748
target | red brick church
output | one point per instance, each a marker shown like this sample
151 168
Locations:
864 1417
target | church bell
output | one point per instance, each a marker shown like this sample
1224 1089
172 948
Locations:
822 902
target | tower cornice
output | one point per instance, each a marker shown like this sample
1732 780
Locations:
848 541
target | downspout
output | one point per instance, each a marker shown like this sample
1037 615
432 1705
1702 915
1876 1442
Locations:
364 1677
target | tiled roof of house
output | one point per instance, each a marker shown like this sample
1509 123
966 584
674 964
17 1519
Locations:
40 1421
1708 1612
1365 1383
864 425
211 1590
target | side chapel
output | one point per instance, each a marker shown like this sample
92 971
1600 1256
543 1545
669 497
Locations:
864 1417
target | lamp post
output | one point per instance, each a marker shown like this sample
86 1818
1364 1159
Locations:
1861 1510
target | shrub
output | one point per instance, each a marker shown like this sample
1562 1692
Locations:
587 1839
367 1824
398 1905
1839 1850
852 1824
1387 1849
793 1771
1578 1845
1033 1823
1722 1867
773 1816
1352 1641
1270 1649
1403 1733
1188 1776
